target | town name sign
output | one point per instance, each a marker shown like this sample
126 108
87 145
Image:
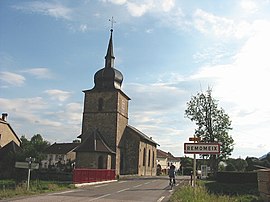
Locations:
202 148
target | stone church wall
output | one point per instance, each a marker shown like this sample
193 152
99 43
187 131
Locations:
129 147
91 160
147 159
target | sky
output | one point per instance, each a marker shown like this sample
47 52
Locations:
167 51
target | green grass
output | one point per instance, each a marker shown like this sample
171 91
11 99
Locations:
36 187
217 192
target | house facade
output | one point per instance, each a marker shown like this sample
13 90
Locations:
60 155
7 134
165 159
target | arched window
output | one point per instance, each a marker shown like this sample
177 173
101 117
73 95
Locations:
153 159
100 162
100 104
144 153
149 159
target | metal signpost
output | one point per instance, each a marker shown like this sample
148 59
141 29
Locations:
30 165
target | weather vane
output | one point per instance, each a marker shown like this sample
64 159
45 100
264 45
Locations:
112 22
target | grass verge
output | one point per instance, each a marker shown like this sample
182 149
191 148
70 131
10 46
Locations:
217 192
36 187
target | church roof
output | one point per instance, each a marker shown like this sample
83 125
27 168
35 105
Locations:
141 134
94 143
61 148
108 77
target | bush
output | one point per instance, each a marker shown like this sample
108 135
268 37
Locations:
237 177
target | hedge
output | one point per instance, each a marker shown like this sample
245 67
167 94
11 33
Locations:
237 177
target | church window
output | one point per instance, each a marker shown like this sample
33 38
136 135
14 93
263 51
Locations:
100 162
153 159
100 104
149 159
144 153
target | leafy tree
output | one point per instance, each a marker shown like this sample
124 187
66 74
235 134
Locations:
238 164
33 148
213 124
230 167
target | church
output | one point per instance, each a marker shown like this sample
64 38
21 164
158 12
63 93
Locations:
107 140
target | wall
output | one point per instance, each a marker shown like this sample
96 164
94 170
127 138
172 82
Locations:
264 184
149 167
7 135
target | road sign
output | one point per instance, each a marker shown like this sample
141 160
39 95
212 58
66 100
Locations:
197 139
26 165
202 148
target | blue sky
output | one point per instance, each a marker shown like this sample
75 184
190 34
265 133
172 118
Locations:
167 51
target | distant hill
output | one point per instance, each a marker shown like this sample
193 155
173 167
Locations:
264 156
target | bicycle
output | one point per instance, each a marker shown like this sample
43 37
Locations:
172 182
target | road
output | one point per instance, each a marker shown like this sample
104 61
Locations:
136 189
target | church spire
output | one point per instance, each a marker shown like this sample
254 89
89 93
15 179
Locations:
109 58
108 77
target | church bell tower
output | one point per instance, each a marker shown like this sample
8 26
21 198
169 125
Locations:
106 106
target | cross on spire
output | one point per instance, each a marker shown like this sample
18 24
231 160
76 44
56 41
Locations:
112 22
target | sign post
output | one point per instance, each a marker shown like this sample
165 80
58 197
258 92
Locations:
200 148
30 165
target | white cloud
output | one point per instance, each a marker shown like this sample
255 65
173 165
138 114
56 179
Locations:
249 6
242 86
167 5
56 10
42 73
83 28
12 78
119 2
59 95
138 10
210 24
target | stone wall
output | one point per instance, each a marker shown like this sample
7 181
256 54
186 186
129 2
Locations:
264 184
147 159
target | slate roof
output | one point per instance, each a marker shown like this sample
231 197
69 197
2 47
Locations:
141 134
61 148
94 143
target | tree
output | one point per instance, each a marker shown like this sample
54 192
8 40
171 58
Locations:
239 164
213 125
33 148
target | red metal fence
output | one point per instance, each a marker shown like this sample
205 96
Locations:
82 175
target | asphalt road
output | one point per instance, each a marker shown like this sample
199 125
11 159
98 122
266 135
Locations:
136 189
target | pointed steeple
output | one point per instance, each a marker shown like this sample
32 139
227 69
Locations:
108 77
109 58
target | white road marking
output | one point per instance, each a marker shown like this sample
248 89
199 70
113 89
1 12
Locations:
123 190
161 198
103 185
100 197
147 183
63 192
138 185
122 182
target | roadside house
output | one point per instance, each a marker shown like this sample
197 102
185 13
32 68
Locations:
60 154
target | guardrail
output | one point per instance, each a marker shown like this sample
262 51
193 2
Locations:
83 175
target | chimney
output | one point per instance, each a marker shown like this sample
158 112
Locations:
4 116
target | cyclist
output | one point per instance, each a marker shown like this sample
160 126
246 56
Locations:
172 173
